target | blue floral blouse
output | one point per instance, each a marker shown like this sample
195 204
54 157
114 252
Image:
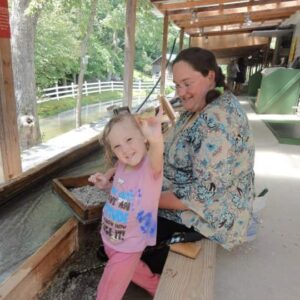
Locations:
209 166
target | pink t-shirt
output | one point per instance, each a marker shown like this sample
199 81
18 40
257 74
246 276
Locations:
129 219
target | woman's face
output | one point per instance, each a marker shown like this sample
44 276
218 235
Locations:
192 86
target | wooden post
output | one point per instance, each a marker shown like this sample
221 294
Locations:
99 86
181 37
267 50
9 137
164 56
85 88
129 52
73 92
275 59
56 90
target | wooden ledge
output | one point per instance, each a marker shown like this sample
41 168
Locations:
42 172
189 279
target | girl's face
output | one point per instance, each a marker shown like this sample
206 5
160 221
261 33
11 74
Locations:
127 142
192 86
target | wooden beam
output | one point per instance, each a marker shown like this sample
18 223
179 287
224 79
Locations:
231 28
238 18
173 6
237 7
225 13
164 56
277 12
9 136
233 31
129 52
189 4
38 270
43 171
231 42
181 37
168 109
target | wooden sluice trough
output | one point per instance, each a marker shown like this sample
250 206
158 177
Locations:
85 213
37 271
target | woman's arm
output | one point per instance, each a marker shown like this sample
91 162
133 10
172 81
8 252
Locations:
169 201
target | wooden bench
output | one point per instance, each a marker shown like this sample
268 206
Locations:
185 278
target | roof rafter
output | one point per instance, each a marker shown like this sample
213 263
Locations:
237 18
232 9
199 18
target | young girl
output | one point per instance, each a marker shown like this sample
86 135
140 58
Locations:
129 218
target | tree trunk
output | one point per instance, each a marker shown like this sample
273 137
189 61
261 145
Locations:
83 61
23 27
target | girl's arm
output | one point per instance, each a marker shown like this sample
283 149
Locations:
156 150
151 128
103 181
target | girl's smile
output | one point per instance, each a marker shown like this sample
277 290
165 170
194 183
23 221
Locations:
127 143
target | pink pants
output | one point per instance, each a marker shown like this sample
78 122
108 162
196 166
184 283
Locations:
122 268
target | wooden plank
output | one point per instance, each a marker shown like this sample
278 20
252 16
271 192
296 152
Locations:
9 137
68 197
189 279
129 52
168 109
224 42
38 270
42 172
181 37
238 18
164 56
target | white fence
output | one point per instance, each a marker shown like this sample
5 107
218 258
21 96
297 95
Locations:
60 92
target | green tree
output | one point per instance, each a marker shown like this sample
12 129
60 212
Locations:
83 56
57 46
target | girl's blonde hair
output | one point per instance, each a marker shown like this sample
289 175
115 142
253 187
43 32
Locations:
111 158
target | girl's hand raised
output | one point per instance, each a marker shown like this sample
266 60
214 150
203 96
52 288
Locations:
151 126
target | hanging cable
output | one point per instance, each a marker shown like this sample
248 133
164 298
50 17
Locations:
158 80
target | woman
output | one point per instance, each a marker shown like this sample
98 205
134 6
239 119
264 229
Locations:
208 160
232 70
240 76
